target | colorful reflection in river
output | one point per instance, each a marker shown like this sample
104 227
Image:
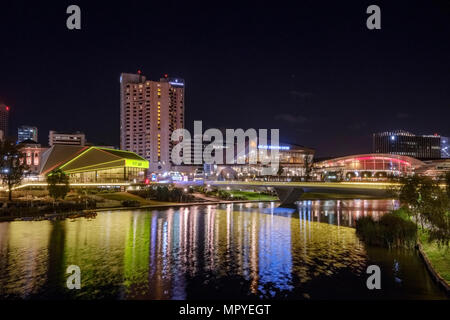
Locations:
206 252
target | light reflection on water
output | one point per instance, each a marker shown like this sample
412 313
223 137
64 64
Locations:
229 251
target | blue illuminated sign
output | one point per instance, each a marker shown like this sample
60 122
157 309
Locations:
262 146
176 82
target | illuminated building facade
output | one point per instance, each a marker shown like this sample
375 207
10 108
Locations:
445 147
73 139
27 133
94 164
407 144
293 162
32 155
434 168
365 167
149 112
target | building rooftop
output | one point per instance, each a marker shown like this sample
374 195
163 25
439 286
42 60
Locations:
74 159
28 141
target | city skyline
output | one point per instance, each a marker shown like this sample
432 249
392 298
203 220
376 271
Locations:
239 159
328 88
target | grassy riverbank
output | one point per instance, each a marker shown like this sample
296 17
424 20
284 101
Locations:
439 256
125 196
251 195
37 204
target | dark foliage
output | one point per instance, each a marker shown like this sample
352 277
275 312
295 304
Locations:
391 230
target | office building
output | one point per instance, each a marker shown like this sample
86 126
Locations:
73 139
294 162
445 147
27 133
4 119
407 144
149 112
32 152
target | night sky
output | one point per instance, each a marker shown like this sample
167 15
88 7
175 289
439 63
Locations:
312 70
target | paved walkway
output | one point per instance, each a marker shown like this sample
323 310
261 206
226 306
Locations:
204 197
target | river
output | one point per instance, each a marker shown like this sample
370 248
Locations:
238 251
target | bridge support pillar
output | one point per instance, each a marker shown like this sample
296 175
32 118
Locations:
288 195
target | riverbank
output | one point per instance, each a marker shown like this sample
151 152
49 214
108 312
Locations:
443 283
397 230
184 204
115 200
88 213
437 261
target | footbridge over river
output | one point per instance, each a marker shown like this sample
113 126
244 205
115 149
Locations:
289 192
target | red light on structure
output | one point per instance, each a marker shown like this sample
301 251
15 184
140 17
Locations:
166 75
147 181
7 108
139 71
435 134
379 158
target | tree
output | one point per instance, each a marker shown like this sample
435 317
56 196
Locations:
12 165
409 195
58 184
308 163
162 193
447 183
280 171
176 194
429 204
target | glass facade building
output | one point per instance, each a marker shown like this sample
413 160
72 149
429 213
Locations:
445 148
27 133
113 175
407 144
366 167
95 164
293 161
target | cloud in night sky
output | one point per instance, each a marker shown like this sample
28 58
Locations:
357 125
300 94
402 115
291 118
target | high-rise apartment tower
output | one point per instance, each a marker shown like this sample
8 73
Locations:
149 112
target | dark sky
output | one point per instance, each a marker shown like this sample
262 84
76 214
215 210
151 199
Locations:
312 69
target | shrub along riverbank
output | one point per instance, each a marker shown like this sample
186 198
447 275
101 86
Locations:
22 209
397 230
424 218
392 230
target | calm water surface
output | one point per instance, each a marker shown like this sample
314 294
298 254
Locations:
249 251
